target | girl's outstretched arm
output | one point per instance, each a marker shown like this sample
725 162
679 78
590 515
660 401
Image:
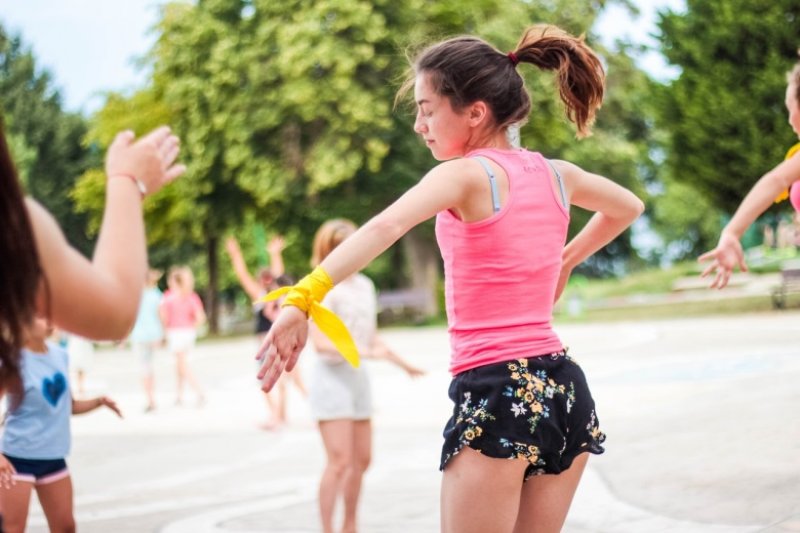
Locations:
112 280
444 187
246 280
84 406
729 254
615 207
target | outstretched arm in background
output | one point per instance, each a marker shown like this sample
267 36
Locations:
84 406
112 280
729 254
380 350
615 209
275 251
249 284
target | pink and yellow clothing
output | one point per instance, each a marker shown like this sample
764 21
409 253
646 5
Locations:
501 272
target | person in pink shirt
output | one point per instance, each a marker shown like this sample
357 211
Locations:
523 417
182 313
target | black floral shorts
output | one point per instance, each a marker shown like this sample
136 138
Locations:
538 409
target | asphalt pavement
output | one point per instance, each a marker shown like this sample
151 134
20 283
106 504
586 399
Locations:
701 417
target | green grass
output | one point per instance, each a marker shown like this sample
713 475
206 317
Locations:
651 281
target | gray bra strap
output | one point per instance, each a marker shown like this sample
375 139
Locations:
492 183
560 185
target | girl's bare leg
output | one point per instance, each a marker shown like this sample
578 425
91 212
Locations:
545 499
362 455
481 494
337 436
56 500
15 501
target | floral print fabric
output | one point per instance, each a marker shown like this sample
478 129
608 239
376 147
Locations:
538 409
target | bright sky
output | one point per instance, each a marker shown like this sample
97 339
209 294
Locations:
91 46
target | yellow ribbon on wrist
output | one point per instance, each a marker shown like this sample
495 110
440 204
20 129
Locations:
306 295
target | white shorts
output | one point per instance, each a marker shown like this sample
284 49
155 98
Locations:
338 391
181 339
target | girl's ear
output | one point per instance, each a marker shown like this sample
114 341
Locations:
478 113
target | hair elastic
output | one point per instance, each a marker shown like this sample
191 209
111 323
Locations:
513 57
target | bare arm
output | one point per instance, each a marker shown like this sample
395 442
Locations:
275 251
446 186
380 350
615 210
84 406
729 254
246 280
112 280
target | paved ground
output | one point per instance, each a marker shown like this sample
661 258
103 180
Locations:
701 416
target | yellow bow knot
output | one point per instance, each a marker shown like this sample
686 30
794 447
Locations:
306 295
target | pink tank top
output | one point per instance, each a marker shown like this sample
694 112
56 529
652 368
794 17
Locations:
501 272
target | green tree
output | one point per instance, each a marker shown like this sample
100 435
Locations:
46 140
724 114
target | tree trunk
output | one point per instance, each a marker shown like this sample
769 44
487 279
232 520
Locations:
424 264
213 282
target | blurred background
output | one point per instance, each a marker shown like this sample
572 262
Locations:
285 111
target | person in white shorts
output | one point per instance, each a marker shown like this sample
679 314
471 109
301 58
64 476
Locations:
340 395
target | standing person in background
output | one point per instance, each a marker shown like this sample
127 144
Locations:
148 334
265 313
181 314
40 271
341 396
729 253
36 437
81 357
523 420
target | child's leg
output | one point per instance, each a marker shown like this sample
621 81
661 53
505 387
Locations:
362 455
56 500
15 501
189 377
148 373
546 499
180 373
481 494
337 436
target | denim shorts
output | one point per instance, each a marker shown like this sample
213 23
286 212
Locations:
535 408
39 471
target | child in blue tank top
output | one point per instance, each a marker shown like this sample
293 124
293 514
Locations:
36 436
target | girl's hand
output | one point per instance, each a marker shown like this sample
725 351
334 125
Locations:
7 472
282 345
276 245
413 372
724 258
111 404
149 160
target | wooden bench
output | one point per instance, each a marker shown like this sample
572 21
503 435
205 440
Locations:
789 284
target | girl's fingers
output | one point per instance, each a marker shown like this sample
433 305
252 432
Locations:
174 172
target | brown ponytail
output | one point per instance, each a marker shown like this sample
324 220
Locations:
467 69
580 73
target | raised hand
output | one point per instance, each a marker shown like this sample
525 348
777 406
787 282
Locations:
150 160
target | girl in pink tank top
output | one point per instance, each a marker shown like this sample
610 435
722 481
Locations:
523 415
